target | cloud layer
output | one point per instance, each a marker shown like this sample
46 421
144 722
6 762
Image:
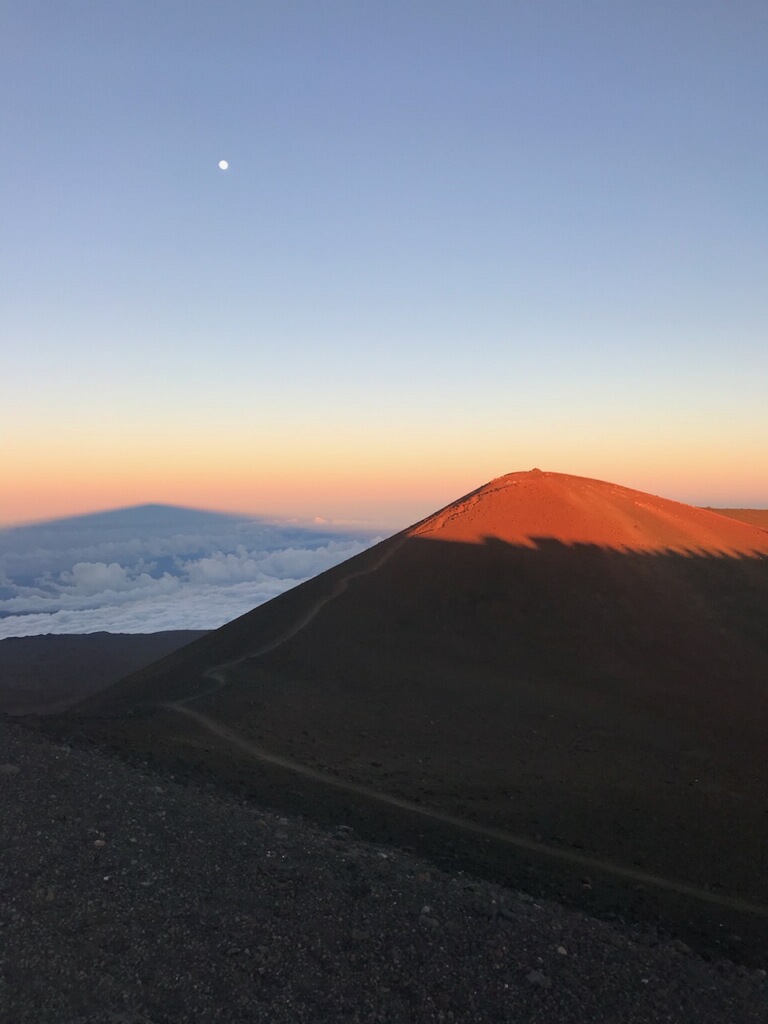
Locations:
154 568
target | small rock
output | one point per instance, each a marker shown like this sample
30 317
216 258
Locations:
680 947
99 842
539 978
9 769
426 917
562 951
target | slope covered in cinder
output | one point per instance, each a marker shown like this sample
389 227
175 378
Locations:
753 516
568 661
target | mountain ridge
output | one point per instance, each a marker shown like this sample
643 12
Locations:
495 663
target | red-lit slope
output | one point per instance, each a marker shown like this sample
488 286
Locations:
520 507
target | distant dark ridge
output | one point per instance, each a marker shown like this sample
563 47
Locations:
49 673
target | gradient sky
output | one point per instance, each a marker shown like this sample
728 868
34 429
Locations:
455 240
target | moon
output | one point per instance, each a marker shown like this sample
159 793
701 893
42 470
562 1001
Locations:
223 165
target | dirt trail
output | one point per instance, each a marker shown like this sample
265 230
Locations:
218 675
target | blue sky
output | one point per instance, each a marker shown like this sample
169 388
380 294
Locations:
454 240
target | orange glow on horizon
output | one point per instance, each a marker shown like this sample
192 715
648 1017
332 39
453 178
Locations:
366 479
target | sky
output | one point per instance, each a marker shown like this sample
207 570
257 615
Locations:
453 241
156 567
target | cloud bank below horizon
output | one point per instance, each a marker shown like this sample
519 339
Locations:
155 568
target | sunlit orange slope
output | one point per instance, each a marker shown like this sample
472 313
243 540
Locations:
753 516
521 507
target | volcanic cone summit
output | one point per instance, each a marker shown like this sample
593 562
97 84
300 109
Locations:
521 508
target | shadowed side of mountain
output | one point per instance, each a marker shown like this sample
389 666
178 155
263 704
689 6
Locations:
600 699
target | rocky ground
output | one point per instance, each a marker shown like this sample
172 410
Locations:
127 897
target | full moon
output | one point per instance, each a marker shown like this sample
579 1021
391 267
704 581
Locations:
223 165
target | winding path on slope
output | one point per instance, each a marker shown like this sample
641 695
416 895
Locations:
218 675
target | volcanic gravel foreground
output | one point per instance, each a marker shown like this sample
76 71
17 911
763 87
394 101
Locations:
127 897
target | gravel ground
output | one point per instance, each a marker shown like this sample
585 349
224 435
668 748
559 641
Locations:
128 898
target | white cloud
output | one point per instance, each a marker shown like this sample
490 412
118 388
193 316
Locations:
106 573
95 577
222 568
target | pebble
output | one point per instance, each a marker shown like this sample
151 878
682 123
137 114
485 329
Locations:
539 978
427 917
680 947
